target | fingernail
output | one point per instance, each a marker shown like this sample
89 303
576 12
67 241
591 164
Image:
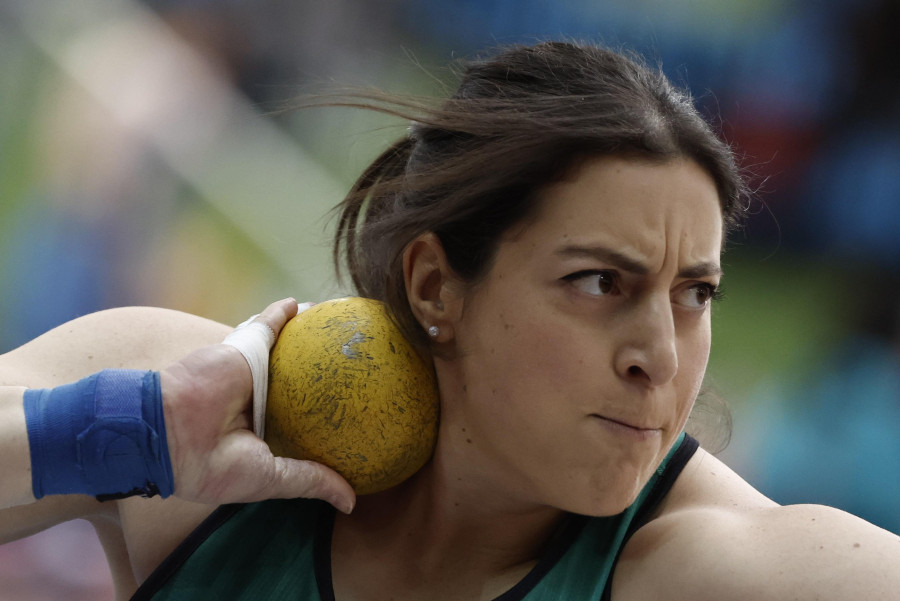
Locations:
344 505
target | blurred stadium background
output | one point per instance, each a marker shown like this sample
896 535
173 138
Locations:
145 159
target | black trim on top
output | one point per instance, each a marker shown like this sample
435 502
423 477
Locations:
565 535
173 562
673 469
557 546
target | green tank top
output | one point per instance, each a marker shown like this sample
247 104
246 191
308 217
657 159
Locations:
281 550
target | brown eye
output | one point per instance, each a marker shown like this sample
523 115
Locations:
697 296
594 282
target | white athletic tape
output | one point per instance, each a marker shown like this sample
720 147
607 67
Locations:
254 339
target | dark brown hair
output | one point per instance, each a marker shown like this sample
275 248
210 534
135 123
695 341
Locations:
474 165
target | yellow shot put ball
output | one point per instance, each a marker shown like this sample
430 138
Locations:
346 389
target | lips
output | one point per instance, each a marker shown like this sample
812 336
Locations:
626 424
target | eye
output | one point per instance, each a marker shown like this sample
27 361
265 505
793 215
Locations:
596 282
698 296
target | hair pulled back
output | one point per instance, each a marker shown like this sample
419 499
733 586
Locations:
475 165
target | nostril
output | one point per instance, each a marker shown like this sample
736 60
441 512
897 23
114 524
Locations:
634 370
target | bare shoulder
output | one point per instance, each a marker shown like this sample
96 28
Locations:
716 537
129 337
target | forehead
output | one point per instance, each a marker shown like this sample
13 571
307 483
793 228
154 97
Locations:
644 209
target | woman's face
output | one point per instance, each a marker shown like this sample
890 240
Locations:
582 350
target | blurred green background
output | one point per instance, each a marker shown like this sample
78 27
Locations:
145 159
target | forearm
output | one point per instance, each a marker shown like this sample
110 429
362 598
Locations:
126 431
15 468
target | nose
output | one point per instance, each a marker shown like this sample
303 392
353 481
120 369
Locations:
647 354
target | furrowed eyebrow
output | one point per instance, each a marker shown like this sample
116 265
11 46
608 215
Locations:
701 270
631 265
606 255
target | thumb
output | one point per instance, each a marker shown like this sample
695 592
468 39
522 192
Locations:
311 480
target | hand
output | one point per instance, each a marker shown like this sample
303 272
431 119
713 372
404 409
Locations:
215 456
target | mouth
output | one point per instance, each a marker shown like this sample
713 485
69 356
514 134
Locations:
625 428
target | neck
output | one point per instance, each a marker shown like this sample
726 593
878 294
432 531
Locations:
450 518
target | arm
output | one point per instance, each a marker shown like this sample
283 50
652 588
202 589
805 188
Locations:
721 539
206 399
15 469
132 337
794 552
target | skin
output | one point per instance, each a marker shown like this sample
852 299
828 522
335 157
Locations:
573 367
206 401
565 376
562 345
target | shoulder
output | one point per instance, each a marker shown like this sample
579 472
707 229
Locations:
128 337
718 538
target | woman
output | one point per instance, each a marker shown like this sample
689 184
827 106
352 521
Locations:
551 236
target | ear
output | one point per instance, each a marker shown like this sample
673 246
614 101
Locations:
434 291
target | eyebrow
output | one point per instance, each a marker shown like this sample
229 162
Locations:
631 265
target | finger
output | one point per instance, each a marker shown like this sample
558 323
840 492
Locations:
278 313
311 480
254 339
301 307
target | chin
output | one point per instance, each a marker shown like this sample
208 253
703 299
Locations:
602 501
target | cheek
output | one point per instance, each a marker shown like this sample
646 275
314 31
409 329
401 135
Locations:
693 361
536 374
516 353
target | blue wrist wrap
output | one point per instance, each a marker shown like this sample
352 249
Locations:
103 436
